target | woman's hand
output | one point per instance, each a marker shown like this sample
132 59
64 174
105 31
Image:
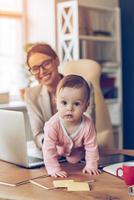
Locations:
61 174
91 171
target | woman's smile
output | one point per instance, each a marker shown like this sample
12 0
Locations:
46 76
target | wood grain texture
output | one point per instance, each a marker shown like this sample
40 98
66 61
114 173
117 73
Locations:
105 186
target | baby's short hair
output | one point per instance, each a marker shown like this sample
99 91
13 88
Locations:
74 81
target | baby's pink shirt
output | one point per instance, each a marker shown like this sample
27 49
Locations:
57 142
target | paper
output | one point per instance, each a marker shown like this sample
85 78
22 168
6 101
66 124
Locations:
72 185
78 186
113 167
62 183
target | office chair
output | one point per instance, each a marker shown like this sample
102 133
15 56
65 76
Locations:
91 71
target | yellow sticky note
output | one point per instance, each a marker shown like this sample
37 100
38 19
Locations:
78 186
62 183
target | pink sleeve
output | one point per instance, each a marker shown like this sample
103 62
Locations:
49 150
91 147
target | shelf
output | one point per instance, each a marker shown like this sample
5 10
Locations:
111 101
110 69
95 7
97 38
91 30
68 36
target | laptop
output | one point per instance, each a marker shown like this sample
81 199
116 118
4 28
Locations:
14 147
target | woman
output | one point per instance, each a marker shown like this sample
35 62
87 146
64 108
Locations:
43 63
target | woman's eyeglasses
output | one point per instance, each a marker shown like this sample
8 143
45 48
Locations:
45 65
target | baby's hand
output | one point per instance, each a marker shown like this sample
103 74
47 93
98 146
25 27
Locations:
61 174
91 171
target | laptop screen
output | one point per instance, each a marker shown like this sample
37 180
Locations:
13 143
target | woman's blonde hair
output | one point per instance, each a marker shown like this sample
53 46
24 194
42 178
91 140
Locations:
42 48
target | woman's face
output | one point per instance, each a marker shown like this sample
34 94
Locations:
44 68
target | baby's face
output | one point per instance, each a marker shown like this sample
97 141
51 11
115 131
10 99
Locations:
71 104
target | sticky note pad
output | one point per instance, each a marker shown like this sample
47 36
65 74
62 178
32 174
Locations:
62 183
78 186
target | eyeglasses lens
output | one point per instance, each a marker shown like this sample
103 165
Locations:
45 65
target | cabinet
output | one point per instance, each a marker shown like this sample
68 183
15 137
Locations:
91 30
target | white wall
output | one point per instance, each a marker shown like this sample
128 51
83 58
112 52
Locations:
41 21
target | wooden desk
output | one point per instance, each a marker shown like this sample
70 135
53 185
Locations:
105 187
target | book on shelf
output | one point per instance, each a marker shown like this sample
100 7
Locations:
108 86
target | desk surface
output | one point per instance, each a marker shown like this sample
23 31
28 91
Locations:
105 187
14 105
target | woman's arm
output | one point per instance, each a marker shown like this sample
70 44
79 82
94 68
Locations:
36 119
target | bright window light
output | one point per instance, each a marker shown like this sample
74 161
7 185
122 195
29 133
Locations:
12 74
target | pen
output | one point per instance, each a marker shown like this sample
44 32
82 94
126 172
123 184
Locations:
22 182
28 180
91 181
7 184
44 187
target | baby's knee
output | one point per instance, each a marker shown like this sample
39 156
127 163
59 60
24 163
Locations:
72 160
